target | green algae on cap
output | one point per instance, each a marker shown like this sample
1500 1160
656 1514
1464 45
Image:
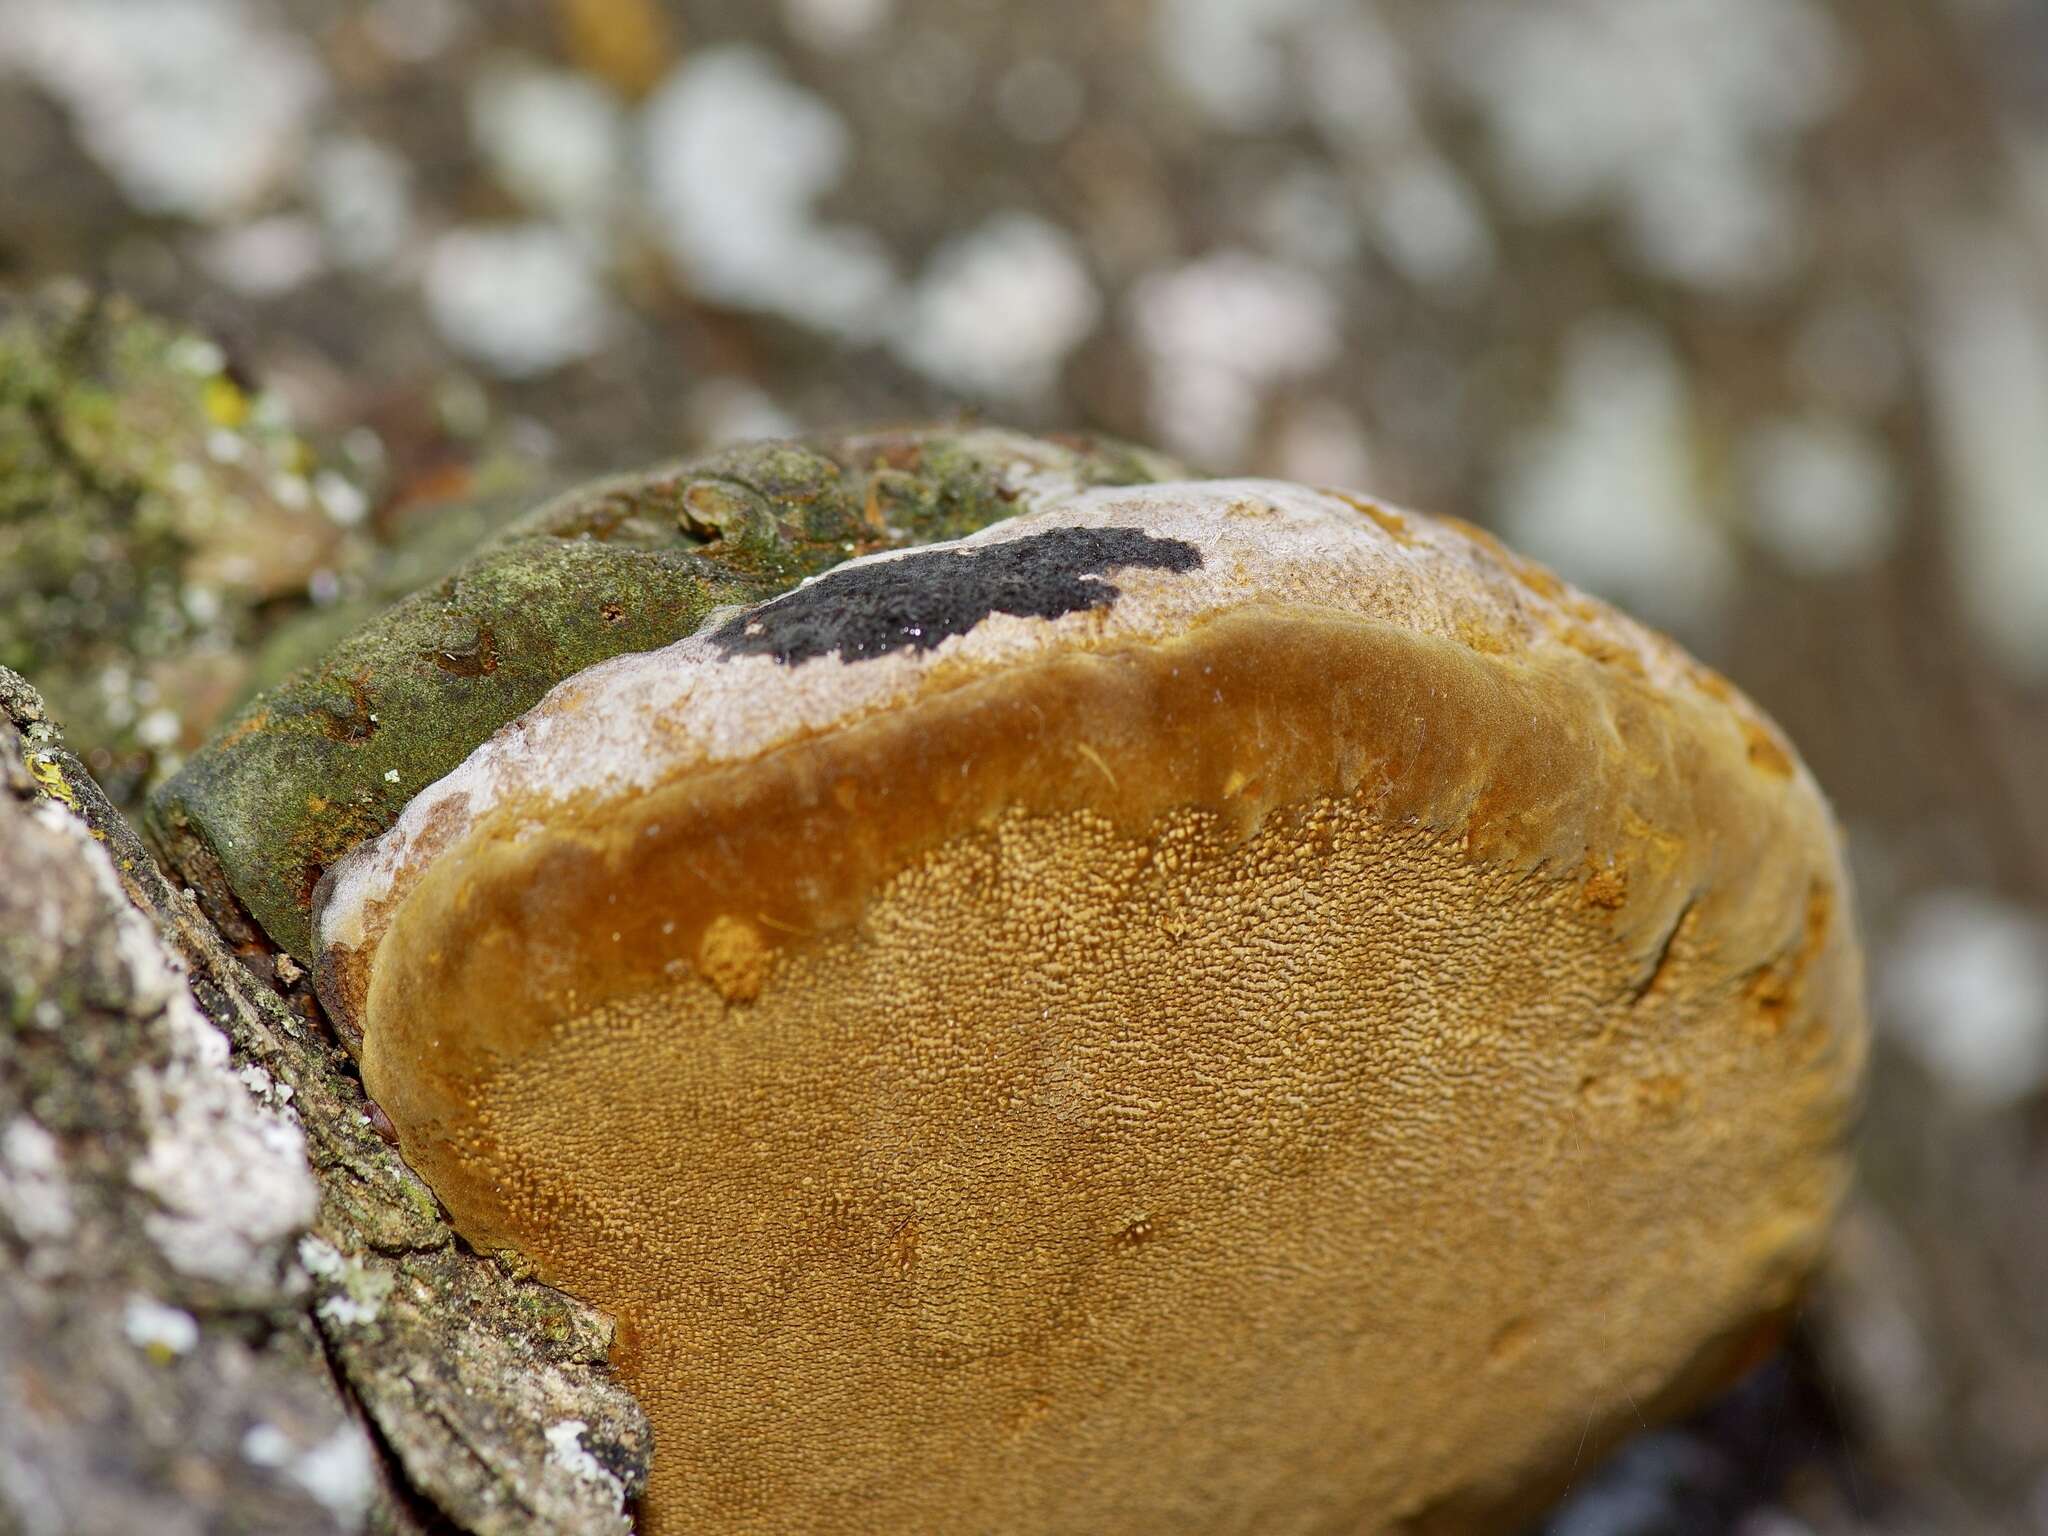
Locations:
329 757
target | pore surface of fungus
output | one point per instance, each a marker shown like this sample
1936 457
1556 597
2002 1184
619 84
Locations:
1208 1007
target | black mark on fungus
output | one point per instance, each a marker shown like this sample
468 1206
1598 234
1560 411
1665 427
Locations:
918 600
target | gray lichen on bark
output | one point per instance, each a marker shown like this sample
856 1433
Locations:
225 1304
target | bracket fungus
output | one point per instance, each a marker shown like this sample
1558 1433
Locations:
1208 1006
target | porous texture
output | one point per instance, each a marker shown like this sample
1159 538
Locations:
327 758
1321 1036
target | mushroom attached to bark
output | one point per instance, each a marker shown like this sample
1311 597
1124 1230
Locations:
1206 1007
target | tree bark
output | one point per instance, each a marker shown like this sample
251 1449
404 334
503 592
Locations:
225 1304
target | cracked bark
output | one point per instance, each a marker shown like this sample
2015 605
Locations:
225 1304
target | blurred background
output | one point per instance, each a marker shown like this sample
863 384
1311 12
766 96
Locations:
1735 311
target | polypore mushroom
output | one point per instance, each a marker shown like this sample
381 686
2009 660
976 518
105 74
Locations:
1204 1007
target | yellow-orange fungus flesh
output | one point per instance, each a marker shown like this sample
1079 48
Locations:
1295 1075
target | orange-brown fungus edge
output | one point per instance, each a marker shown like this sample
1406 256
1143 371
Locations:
1648 816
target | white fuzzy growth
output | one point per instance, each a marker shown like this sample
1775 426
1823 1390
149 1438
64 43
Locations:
362 193
555 138
266 257
1988 347
354 1293
229 1174
1824 497
340 1473
737 155
638 720
1242 63
265 1088
34 1194
1220 333
1000 309
195 107
565 1450
521 300
1966 989
323 1261
1608 490
1679 115
835 26
158 1330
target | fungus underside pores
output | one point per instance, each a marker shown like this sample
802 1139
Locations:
1118 1021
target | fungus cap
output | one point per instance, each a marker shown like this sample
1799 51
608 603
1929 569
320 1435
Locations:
1210 1006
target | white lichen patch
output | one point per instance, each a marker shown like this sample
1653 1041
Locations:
999 308
521 299
353 1293
1681 116
1823 496
1987 346
159 1331
554 138
417 30
362 194
228 1173
729 409
1305 216
35 1195
1609 491
1322 443
340 498
1219 333
265 1445
565 1450
194 107
264 1088
835 26
340 1473
1243 62
266 257
1430 223
1965 989
736 158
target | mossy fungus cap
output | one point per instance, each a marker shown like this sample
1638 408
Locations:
1210 1006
